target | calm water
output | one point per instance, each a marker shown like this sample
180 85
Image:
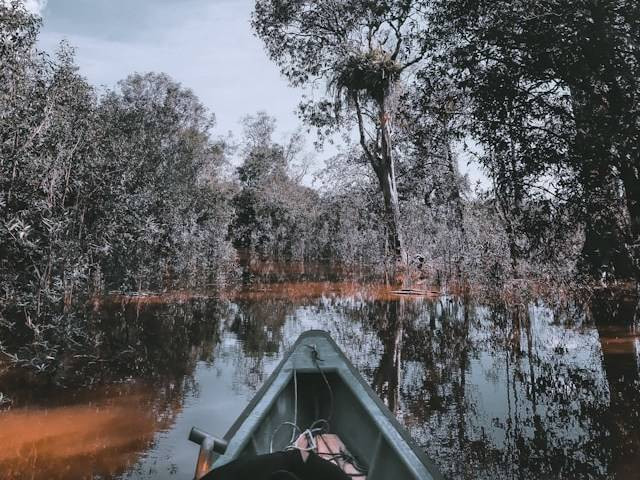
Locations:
489 391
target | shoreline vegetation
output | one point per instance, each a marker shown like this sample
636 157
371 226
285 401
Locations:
129 190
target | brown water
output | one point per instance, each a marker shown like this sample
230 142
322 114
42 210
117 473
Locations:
489 392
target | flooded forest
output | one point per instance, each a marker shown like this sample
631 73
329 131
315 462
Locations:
154 270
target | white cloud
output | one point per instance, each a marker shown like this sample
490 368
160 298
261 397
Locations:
35 6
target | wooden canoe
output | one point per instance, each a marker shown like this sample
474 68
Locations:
356 414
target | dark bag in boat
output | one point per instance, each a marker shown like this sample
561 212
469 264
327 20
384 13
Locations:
278 466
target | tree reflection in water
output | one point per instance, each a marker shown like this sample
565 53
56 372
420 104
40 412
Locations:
489 390
149 349
617 320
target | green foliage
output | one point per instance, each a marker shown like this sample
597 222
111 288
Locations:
553 90
350 228
278 217
359 49
273 211
112 192
168 206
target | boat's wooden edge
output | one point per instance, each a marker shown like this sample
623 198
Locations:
402 431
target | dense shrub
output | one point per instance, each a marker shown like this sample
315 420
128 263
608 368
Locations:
112 191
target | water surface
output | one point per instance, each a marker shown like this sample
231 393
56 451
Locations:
488 390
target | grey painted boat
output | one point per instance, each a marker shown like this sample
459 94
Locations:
297 392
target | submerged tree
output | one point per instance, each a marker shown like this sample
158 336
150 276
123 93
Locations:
362 51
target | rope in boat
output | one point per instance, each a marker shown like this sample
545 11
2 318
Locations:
295 404
315 357
314 430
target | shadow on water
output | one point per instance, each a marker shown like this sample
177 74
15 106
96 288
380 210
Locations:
489 391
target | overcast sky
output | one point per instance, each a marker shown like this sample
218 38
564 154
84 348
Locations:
207 45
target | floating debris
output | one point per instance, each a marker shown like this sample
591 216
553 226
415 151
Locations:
414 291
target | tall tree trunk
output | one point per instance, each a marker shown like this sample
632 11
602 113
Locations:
455 195
386 177
382 162
630 175
603 92
604 253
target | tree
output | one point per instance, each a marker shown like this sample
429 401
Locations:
362 50
46 146
114 191
554 92
429 178
160 204
274 213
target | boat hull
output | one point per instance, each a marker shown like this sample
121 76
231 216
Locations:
297 392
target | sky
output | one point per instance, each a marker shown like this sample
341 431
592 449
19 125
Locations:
206 45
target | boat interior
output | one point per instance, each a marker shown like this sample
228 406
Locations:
347 418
